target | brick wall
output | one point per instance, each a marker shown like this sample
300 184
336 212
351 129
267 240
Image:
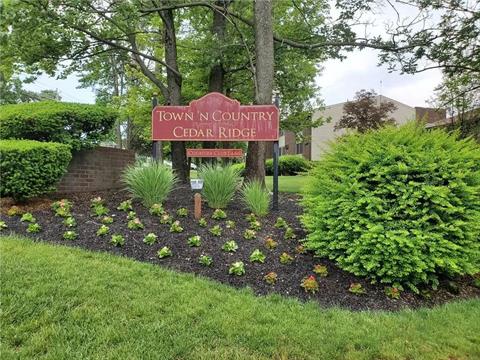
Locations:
95 169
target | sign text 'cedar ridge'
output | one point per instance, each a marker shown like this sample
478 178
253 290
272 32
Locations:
215 117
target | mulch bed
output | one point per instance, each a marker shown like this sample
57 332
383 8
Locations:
333 289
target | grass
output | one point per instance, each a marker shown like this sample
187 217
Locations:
65 303
289 184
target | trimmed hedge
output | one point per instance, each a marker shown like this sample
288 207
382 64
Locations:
78 125
31 168
397 205
287 165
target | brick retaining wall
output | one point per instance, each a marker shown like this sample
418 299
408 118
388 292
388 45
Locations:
96 169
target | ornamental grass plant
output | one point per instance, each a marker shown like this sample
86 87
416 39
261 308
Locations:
219 184
256 197
150 182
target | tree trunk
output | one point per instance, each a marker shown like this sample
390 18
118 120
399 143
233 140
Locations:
264 62
216 77
174 84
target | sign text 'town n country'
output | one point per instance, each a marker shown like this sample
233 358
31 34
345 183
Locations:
215 117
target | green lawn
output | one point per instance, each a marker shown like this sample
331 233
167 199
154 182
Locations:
64 303
289 184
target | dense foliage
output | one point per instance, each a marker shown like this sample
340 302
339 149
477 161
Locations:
31 168
398 205
287 165
219 184
150 182
78 125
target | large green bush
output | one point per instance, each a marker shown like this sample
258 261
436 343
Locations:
398 205
287 165
31 168
78 125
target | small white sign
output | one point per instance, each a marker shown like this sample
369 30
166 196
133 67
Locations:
196 184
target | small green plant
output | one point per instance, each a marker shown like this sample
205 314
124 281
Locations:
230 246
230 224
135 224
3 225
310 284
357 289
255 225
194 241
271 278
107 220
285 258
99 210
176 227
202 222
125 205
205 260
270 243
281 223
476 282
14 211
150 239
131 215
219 214
219 184
249 234
28 217
70 235
117 240
251 217
320 270
150 182
165 219
164 252
182 212
300 249
97 201
103 230
237 268
70 222
216 230
62 208
289 234
156 210
34 228
393 292
257 256
256 197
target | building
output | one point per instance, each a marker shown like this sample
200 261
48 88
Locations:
320 137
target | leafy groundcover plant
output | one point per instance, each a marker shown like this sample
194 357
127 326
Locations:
219 184
150 182
397 205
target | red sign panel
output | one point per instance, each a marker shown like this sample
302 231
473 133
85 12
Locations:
215 117
227 153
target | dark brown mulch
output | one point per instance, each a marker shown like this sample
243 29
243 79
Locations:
333 288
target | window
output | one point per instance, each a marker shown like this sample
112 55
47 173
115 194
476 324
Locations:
299 148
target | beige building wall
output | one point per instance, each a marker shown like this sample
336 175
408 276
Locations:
323 135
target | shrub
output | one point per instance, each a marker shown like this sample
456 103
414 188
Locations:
219 184
398 205
150 182
78 125
256 197
31 168
288 165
